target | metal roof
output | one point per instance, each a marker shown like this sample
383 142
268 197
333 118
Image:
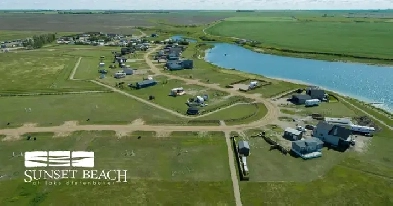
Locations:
149 81
338 120
301 96
293 131
243 144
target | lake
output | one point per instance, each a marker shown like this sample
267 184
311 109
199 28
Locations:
361 81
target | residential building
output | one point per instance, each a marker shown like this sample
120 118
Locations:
308 148
145 83
188 64
293 134
192 111
128 71
300 98
335 135
316 93
174 66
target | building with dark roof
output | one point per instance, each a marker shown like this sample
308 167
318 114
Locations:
128 71
192 111
145 83
308 148
316 93
243 148
187 64
300 98
174 67
335 135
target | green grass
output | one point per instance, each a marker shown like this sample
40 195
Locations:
258 19
360 39
288 111
237 112
381 115
40 71
157 173
331 109
106 108
7 35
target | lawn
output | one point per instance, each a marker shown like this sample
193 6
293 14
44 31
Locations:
259 18
40 71
171 170
104 108
360 39
238 112
6 35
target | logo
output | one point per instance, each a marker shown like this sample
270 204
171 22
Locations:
59 159
74 174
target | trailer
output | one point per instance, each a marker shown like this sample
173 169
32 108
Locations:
119 75
362 129
312 102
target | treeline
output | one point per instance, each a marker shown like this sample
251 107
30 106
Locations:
39 41
245 11
135 12
76 12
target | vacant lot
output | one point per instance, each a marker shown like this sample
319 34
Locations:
332 109
362 39
105 108
40 71
174 169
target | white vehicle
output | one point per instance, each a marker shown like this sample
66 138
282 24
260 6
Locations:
312 102
119 75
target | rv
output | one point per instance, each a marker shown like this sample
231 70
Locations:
312 102
363 129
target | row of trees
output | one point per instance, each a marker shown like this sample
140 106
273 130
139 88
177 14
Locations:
39 41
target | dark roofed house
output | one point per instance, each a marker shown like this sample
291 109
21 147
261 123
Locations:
173 56
243 148
192 111
300 98
308 148
335 135
315 93
145 83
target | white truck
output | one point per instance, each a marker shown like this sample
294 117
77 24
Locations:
312 102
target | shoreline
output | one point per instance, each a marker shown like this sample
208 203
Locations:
349 96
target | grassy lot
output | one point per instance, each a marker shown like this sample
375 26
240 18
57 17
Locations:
237 112
259 18
39 71
331 109
360 39
161 92
13 35
178 173
105 108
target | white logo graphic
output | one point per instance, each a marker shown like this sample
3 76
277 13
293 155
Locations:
59 159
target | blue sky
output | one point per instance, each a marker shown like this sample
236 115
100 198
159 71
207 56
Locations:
196 4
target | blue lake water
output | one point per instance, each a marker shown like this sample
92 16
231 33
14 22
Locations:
365 82
179 37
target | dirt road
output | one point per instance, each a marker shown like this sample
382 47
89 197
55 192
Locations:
75 68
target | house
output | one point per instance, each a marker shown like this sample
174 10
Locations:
335 135
243 148
173 56
338 121
316 93
145 83
300 98
308 148
128 71
292 134
192 111
174 67
187 64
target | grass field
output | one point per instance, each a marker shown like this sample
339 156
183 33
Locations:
105 108
161 169
360 39
258 19
332 109
237 112
40 71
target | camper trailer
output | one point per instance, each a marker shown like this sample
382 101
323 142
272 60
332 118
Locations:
120 74
363 129
177 91
312 102
252 85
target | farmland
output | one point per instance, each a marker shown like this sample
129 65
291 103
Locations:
366 39
166 166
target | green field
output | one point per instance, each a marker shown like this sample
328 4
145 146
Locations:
359 39
105 108
331 109
258 19
160 169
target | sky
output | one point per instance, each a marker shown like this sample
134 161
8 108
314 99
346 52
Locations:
196 4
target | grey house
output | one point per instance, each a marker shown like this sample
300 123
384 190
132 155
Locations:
128 71
335 135
300 98
315 93
292 134
307 146
243 148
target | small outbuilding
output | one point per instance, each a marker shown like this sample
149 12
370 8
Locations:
243 148
308 148
316 93
292 134
145 83
300 98
174 67
188 64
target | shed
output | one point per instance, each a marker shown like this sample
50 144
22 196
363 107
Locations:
300 98
243 148
145 83
192 111
315 93
174 66
128 71
307 146
188 64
